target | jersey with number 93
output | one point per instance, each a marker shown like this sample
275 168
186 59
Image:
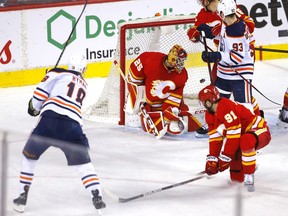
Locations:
61 91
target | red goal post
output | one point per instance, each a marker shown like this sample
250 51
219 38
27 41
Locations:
150 34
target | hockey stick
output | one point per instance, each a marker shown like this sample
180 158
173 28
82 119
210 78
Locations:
270 50
124 200
208 62
71 33
242 77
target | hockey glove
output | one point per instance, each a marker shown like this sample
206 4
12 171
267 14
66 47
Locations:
211 165
207 29
224 162
211 56
31 110
193 34
216 30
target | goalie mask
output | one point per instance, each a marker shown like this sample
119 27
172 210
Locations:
226 7
77 62
209 93
176 57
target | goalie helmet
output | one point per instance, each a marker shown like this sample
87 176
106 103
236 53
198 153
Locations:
176 57
226 7
77 62
209 93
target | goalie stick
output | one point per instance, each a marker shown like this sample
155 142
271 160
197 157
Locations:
207 47
124 200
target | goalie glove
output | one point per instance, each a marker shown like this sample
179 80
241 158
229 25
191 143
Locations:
175 124
177 127
224 162
31 110
211 165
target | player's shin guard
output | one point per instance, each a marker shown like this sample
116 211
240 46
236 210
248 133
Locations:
248 144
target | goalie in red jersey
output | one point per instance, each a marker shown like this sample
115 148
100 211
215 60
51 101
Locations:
156 82
235 133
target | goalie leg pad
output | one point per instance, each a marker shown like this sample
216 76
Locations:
192 122
157 119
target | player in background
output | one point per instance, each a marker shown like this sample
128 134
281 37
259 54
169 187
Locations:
235 133
156 83
235 58
58 99
207 20
283 116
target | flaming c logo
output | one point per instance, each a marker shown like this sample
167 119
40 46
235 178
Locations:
5 53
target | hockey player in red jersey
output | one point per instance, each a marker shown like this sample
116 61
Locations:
156 82
283 116
58 100
235 133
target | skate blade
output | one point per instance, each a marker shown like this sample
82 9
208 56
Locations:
19 208
250 188
201 135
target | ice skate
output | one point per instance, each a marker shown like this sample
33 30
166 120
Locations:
283 118
20 202
249 182
97 200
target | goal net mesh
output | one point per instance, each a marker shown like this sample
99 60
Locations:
150 34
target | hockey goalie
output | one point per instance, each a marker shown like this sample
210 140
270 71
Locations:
156 83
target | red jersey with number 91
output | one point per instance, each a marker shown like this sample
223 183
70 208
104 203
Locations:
230 121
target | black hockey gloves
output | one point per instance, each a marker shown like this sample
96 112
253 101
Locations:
31 110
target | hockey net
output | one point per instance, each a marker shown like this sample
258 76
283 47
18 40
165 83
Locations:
150 34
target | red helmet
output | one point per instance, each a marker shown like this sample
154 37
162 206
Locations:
210 93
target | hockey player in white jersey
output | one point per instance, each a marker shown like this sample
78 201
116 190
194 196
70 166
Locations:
58 99
234 56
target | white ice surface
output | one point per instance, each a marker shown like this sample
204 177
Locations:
130 162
